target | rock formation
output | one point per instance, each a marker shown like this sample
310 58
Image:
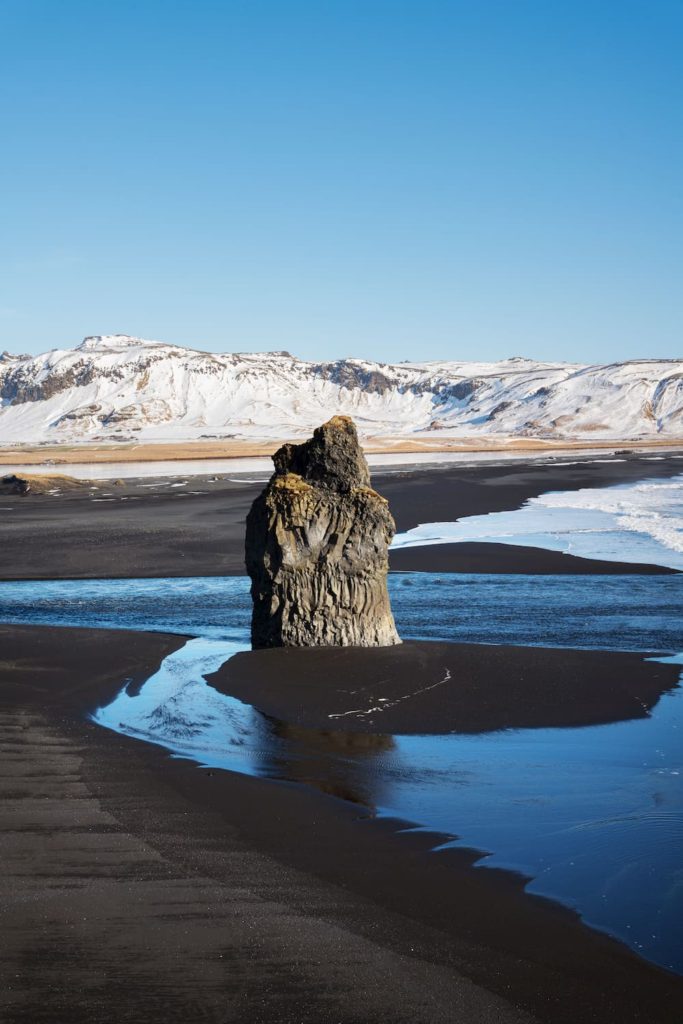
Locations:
14 485
316 548
37 483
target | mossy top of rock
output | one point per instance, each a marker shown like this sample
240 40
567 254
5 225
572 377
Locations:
291 482
332 458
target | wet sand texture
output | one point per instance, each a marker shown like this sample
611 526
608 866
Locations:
425 687
140 888
488 557
134 529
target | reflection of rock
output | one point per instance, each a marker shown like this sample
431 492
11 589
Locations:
331 761
316 548
333 740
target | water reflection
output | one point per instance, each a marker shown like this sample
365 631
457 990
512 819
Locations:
593 815
333 762
177 709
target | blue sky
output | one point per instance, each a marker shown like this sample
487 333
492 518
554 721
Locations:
380 178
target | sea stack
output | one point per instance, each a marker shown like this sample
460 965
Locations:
317 548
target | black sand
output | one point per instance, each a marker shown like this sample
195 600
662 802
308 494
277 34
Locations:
485 557
143 529
140 888
427 687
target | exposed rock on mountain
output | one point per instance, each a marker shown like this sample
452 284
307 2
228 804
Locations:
113 387
317 548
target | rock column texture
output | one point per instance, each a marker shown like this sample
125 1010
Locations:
317 548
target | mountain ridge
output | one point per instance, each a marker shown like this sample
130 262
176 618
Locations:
119 387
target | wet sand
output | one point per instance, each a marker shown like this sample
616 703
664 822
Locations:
153 528
141 888
488 557
427 687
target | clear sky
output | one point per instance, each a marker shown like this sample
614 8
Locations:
386 178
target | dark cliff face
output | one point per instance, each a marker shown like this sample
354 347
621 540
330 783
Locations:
317 547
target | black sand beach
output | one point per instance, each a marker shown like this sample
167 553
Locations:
146 528
142 888
137 887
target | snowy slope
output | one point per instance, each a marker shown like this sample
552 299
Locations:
118 387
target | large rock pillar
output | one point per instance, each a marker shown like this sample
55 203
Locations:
317 548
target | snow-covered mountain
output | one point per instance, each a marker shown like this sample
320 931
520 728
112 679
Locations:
117 387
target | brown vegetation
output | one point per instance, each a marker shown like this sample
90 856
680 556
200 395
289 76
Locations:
234 449
37 483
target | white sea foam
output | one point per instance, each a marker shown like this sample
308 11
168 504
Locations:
635 523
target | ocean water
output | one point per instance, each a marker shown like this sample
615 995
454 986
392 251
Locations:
634 523
629 613
592 816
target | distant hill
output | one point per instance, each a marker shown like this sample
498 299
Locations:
118 387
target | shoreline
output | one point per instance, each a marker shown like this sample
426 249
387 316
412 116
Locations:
463 937
491 558
158 529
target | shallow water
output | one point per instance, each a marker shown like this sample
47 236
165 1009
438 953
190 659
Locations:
636 523
630 613
594 816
